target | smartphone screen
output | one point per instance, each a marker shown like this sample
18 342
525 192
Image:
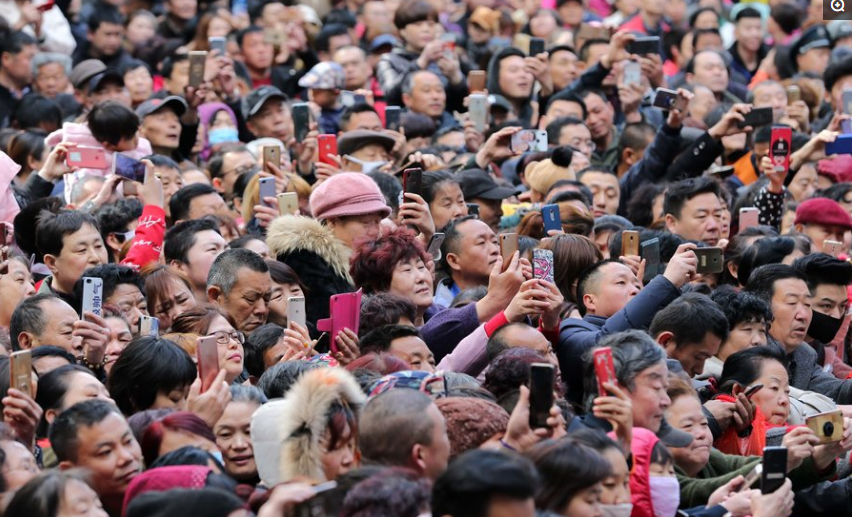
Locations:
541 393
774 469
301 120
392 118
129 169
508 247
197 60
604 369
267 189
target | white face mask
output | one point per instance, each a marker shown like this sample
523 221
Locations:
665 495
366 167
617 510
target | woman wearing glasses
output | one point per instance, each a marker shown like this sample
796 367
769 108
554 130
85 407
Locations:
209 321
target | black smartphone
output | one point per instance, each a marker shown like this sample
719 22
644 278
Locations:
536 46
774 469
473 209
757 117
392 115
542 376
644 45
710 260
301 120
650 251
412 181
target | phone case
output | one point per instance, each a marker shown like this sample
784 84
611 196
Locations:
476 80
434 247
536 46
650 251
645 45
271 154
345 312
632 73
196 67
541 393
301 120
629 243
665 99
208 361
529 140
748 217
780 144
552 218
21 367
794 94
841 145
288 203
128 168
774 469
218 43
757 117
88 157
543 264
327 146
478 111
93 291
149 326
604 369
266 188
392 116
833 248
508 247
296 310
709 260
828 426
412 181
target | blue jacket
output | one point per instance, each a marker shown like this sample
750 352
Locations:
578 336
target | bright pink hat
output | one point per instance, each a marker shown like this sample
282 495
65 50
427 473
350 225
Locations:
347 193
823 211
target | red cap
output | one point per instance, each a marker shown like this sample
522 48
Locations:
823 211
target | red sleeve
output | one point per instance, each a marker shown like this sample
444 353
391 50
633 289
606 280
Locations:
495 323
148 241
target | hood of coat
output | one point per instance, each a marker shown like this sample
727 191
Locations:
290 234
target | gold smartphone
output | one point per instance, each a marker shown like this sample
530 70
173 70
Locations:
197 59
21 366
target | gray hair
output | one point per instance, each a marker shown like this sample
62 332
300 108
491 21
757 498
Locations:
248 394
78 190
46 58
223 272
633 352
408 80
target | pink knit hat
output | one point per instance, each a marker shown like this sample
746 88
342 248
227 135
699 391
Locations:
347 193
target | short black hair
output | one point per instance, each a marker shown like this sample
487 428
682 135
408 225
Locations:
132 64
180 201
690 318
63 434
836 71
673 39
682 191
170 62
279 378
14 42
115 217
414 11
146 367
771 250
159 160
340 17
35 109
741 306
568 96
822 268
466 488
748 12
497 343
589 274
262 339
104 14
361 107
113 275
181 237
379 339
587 45
321 42
383 309
787 16
53 386
452 239
111 121
554 129
636 136
28 316
743 367
690 65
762 281
698 12
224 272
251 29
52 229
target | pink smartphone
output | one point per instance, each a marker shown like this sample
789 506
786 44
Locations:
345 312
88 157
208 361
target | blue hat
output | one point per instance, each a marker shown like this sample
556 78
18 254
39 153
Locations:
381 40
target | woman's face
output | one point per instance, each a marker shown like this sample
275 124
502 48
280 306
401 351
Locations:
744 335
19 467
340 460
139 83
15 287
412 280
685 414
119 337
278 302
140 30
774 398
230 353
221 119
418 35
218 28
178 300
174 399
542 25
357 228
616 488
587 503
80 386
233 437
259 247
79 500
448 204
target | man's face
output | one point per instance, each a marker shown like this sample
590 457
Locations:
208 204
272 120
559 109
18 66
139 83
514 79
771 95
831 300
183 9
749 33
108 90
478 250
605 191
700 219
649 397
436 455
601 116
256 52
106 40
819 233
355 65
208 245
524 336
376 14
710 71
234 164
685 413
365 120
162 129
693 355
427 95
248 301
791 307
814 60
616 286
111 454
503 506
414 351
80 251
60 318
130 301
703 103
490 211
563 68
179 78
579 137
368 153
654 7
50 80
335 43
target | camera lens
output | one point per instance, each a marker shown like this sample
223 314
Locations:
828 429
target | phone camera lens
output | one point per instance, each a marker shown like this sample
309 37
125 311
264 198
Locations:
828 429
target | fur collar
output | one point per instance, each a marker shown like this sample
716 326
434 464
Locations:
290 233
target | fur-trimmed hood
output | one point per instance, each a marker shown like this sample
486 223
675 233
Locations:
291 233
286 433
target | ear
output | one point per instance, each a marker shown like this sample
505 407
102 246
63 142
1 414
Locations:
736 389
32 163
25 341
589 302
214 294
671 222
217 183
629 156
416 461
733 269
453 261
581 65
406 99
689 78
800 228
50 415
66 465
666 340
113 243
50 262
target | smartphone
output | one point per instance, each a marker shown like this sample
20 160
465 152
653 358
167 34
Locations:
587 32
88 157
751 390
274 37
644 45
529 140
476 81
543 264
327 145
710 260
21 366
345 313
629 243
301 113
321 504
412 181
128 168
392 117
93 293
197 58
632 73
757 117
296 310
774 469
218 43
207 353
434 247
149 326
827 426
552 218
542 376
752 477
794 94
650 251
604 369
748 218
349 99
508 247
266 188
847 101
846 127
833 248
666 99
521 42
780 144
288 203
473 209
536 46
271 154
841 145
477 109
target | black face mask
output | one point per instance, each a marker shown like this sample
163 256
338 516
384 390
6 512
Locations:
823 327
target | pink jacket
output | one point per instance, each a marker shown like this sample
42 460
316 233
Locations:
8 205
469 355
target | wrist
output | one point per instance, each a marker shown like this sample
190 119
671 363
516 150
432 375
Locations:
482 158
487 308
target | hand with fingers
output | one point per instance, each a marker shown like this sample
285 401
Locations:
211 404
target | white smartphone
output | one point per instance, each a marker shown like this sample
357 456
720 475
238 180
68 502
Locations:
93 292
478 110
296 310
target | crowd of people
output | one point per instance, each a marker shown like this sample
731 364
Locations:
368 258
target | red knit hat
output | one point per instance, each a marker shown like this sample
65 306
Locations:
823 211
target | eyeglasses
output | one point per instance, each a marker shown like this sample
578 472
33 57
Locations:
123 237
223 338
242 170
